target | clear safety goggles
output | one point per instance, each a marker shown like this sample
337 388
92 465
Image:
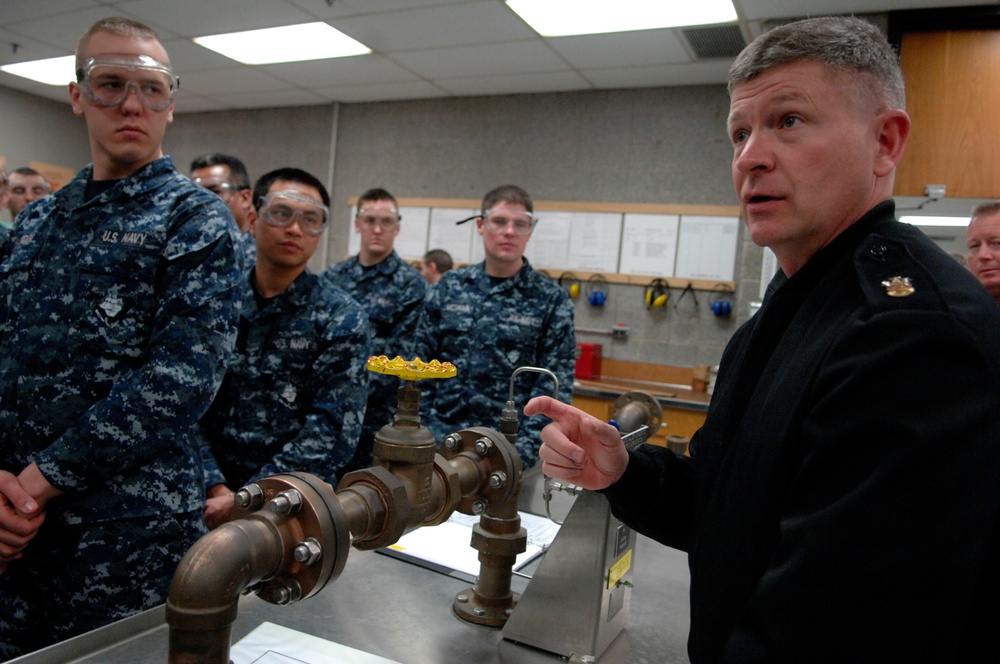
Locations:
281 208
107 78
219 186
498 221
381 218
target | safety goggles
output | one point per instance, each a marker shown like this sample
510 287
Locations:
282 208
219 186
107 79
384 220
497 221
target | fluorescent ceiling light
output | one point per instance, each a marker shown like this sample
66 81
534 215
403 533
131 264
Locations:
558 18
51 71
936 221
291 43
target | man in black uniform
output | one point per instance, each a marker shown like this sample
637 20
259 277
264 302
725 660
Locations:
840 503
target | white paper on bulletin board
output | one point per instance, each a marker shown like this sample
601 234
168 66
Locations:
411 243
354 240
649 244
456 240
550 240
707 248
594 240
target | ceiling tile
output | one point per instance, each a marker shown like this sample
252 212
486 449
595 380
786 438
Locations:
240 80
757 10
697 73
437 27
483 60
644 47
341 71
197 18
15 11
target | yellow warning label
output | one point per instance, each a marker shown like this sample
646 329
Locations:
620 569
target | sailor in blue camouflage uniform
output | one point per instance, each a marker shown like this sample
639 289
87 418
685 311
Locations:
4 232
294 397
391 292
118 312
227 176
491 318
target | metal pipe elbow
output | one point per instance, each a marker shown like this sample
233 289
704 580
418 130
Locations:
207 585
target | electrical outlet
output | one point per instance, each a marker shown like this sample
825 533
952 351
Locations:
619 331
934 190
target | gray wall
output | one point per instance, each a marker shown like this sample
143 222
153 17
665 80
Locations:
37 129
661 145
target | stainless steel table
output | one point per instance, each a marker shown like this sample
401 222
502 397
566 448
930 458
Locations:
402 611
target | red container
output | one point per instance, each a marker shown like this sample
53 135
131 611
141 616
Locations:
588 361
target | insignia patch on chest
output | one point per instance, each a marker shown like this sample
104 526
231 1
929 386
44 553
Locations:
110 310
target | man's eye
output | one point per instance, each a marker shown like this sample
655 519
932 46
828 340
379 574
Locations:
790 121
109 84
739 136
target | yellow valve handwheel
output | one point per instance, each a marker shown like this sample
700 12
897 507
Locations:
415 369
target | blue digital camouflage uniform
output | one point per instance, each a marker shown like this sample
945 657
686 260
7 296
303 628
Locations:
117 317
488 327
391 293
249 247
294 397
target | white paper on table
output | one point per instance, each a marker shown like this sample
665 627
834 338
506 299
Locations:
448 547
273 644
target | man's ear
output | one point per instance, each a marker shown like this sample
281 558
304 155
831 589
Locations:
893 130
74 98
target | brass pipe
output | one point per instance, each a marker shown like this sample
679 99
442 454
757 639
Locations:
206 588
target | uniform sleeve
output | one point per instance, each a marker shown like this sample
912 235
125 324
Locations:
189 344
886 528
329 435
557 353
422 340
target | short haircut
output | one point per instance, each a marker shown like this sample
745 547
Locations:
116 25
291 175
440 258
237 170
375 194
31 173
985 209
508 193
848 44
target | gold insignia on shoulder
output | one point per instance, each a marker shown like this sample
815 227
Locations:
898 287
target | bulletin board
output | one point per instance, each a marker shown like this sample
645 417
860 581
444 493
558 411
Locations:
628 243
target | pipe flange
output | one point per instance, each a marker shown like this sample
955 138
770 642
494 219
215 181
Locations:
495 458
319 518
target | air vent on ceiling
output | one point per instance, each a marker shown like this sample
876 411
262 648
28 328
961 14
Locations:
715 42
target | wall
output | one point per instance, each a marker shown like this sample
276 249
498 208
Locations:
661 145
37 129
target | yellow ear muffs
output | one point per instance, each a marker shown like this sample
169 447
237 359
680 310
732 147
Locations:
569 283
656 294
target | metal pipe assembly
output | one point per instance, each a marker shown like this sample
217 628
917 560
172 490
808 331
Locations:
291 533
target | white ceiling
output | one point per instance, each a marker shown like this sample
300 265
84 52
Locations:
421 48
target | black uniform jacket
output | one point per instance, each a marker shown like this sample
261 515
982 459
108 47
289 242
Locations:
841 501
